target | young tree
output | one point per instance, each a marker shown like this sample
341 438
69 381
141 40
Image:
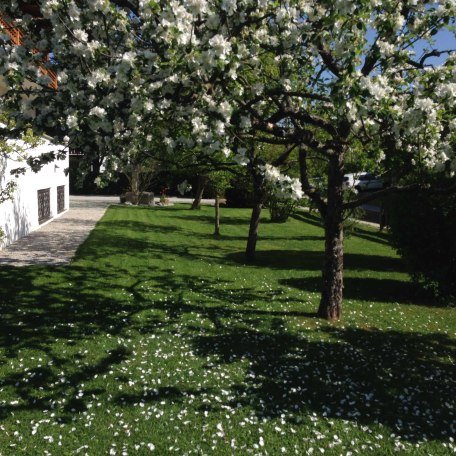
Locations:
220 180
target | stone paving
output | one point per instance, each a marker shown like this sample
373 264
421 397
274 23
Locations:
57 242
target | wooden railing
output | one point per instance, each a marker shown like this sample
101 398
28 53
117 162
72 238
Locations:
13 32
16 36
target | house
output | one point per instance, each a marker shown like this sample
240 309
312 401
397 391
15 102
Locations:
40 196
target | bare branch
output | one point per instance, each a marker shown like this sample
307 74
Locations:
434 53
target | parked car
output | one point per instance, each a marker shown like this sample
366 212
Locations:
368 181
363 181
349 180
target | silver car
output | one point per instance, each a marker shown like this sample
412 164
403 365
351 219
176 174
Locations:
367 181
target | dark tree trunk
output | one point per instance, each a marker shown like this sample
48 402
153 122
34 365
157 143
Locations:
217 216
200 184
331 297
89 180
253 232
258 199
135 176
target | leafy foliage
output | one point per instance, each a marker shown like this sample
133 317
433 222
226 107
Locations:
423 231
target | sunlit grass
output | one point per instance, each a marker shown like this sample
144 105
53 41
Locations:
159 337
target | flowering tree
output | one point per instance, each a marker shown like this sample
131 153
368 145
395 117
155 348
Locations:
328 78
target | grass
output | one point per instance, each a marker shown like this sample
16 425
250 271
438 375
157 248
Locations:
159 339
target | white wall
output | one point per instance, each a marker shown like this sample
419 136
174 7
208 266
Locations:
20 216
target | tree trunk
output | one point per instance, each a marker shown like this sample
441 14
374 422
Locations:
89 179
258 199
331 297
135 172
217 216
201 183
253 232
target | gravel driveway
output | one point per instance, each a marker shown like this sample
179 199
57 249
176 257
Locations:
57 242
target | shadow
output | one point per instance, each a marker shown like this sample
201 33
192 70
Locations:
201 217
35 394
310 260
356 231
308 218
15 219
158 394
368 289
228 237
395 379
127 311
370 235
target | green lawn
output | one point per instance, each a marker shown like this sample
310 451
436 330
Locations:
160 338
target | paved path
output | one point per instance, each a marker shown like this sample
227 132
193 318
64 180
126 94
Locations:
57 242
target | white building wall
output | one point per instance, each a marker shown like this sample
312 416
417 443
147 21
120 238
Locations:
19 216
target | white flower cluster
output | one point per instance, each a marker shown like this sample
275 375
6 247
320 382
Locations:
184 187
284 186
220 69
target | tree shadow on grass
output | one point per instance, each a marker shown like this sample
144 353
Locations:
393 378
208 219
40 387
356 231
310 260
396 379
155 395
43 304
367 289
79 303
229 237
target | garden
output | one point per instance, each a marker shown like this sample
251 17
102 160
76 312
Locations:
160 338
177 331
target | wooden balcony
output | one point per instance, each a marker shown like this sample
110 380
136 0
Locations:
13 32
16 35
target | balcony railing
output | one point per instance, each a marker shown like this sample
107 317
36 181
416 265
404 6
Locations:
13 32
16 36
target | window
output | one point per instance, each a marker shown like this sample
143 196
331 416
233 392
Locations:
60 199
44 205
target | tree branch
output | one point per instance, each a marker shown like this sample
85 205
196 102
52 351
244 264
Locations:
378 194
329 61
433 53
307 188
284 156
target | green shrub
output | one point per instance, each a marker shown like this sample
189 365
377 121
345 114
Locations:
280 209
240 192
423 228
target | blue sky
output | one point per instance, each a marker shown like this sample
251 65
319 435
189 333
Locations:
444 40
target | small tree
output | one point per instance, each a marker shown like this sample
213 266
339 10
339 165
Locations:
220 181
